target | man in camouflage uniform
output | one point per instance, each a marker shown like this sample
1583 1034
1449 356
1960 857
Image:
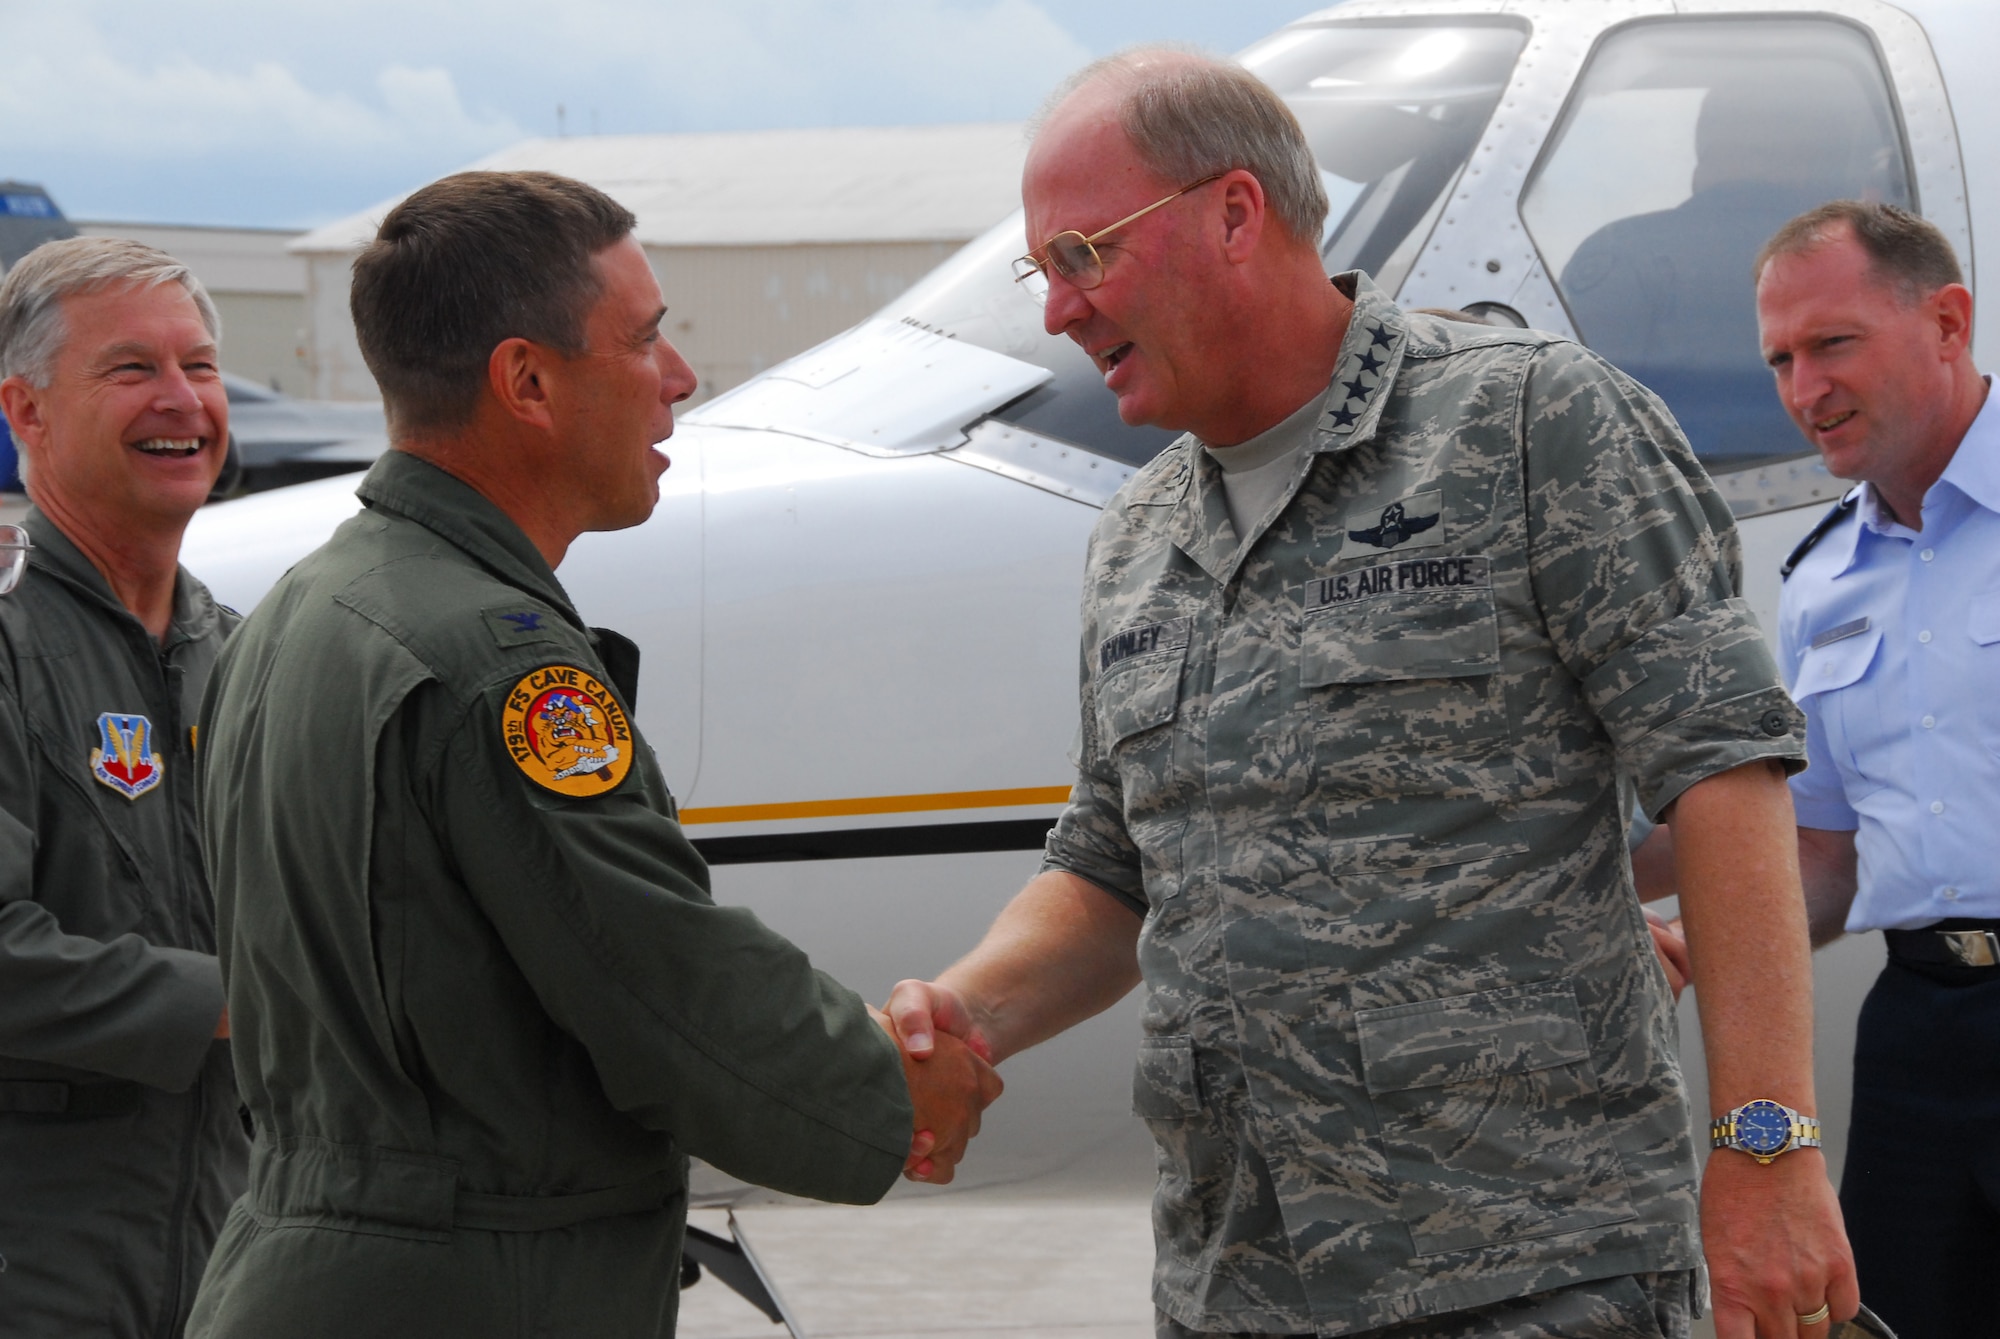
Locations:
121 1144
1356 691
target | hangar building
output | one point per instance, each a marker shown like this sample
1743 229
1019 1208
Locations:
765 242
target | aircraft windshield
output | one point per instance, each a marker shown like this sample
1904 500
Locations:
1392 112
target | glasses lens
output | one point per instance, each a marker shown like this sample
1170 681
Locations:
1075 259
13 556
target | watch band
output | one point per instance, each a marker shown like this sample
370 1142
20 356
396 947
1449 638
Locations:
1764 1129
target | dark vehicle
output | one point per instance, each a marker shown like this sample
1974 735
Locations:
279 440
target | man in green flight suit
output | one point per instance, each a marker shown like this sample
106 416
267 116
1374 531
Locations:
121 1144
485 1006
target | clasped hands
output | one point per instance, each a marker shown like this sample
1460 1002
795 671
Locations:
950 1074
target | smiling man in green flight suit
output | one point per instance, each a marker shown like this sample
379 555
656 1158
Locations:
485 1006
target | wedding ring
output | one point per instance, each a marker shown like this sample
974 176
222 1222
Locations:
1814 1318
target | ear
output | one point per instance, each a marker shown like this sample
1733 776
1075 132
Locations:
1951 308
1244 216
517 374
22 405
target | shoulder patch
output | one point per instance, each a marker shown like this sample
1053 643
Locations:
518 626
566 732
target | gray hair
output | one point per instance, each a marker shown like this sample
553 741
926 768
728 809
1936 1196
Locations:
1192 115
32 329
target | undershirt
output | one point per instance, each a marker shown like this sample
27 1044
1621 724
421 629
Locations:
1256 473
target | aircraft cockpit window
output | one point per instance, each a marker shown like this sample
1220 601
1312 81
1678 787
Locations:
1686 144
1392 112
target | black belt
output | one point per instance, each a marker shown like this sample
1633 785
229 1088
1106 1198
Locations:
1953 943
53 1097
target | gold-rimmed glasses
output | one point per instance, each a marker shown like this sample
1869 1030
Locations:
14 548
1074 256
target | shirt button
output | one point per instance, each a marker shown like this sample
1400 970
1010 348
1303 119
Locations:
1930 722
1924 636
1928 554
1937 806
1950 894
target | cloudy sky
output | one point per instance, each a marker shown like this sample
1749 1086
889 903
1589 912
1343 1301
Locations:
249 112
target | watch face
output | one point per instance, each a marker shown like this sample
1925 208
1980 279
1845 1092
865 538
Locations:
1762 1127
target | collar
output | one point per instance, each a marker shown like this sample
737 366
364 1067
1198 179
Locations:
1973 470
56 554
1370 354
404 485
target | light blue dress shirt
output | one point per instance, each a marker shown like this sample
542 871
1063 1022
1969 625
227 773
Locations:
1890 639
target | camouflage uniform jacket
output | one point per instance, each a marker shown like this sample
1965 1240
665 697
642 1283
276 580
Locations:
1406 1050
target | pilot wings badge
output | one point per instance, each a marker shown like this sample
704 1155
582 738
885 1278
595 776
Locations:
1399 522
125 759
566 732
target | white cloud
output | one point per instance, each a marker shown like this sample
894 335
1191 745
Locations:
315 108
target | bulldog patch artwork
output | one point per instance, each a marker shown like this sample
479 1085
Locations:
566 732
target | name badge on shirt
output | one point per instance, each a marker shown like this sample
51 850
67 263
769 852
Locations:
1841 632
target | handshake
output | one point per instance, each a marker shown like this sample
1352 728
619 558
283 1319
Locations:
948 1063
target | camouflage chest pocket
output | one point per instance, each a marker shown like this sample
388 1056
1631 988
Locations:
1399 666
1490 1117
1139 679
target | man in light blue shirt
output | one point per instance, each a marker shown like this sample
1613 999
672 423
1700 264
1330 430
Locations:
1890 638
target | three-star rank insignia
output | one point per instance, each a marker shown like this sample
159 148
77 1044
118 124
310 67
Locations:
125 759
566 732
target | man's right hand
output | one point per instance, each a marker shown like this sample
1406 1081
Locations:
949 1086
923 1009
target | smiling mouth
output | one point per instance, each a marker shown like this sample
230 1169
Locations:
1111 357
1829 424
169 446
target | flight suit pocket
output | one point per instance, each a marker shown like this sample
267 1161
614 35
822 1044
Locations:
1490 1117
1196 1168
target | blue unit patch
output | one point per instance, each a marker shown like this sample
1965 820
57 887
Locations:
125 759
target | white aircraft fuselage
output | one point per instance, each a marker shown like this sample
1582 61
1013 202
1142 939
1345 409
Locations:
857 600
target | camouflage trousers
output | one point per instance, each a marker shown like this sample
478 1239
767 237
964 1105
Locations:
1633 1306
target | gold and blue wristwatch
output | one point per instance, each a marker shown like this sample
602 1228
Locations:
1764 1129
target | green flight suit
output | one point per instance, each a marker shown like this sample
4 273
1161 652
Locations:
480 1022
121 1143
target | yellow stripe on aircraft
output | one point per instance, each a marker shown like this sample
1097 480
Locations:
877 804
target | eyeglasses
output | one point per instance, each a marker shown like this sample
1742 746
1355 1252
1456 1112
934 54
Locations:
1073 256
14 548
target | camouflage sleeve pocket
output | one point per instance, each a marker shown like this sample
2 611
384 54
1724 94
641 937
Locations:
1163 1083
1490 1117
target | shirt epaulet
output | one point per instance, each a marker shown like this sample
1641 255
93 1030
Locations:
1833 517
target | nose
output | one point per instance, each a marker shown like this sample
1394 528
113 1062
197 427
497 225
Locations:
677 379
1066 304
174 393
1802 383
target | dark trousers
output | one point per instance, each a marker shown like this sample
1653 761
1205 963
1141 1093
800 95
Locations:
1921 1190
